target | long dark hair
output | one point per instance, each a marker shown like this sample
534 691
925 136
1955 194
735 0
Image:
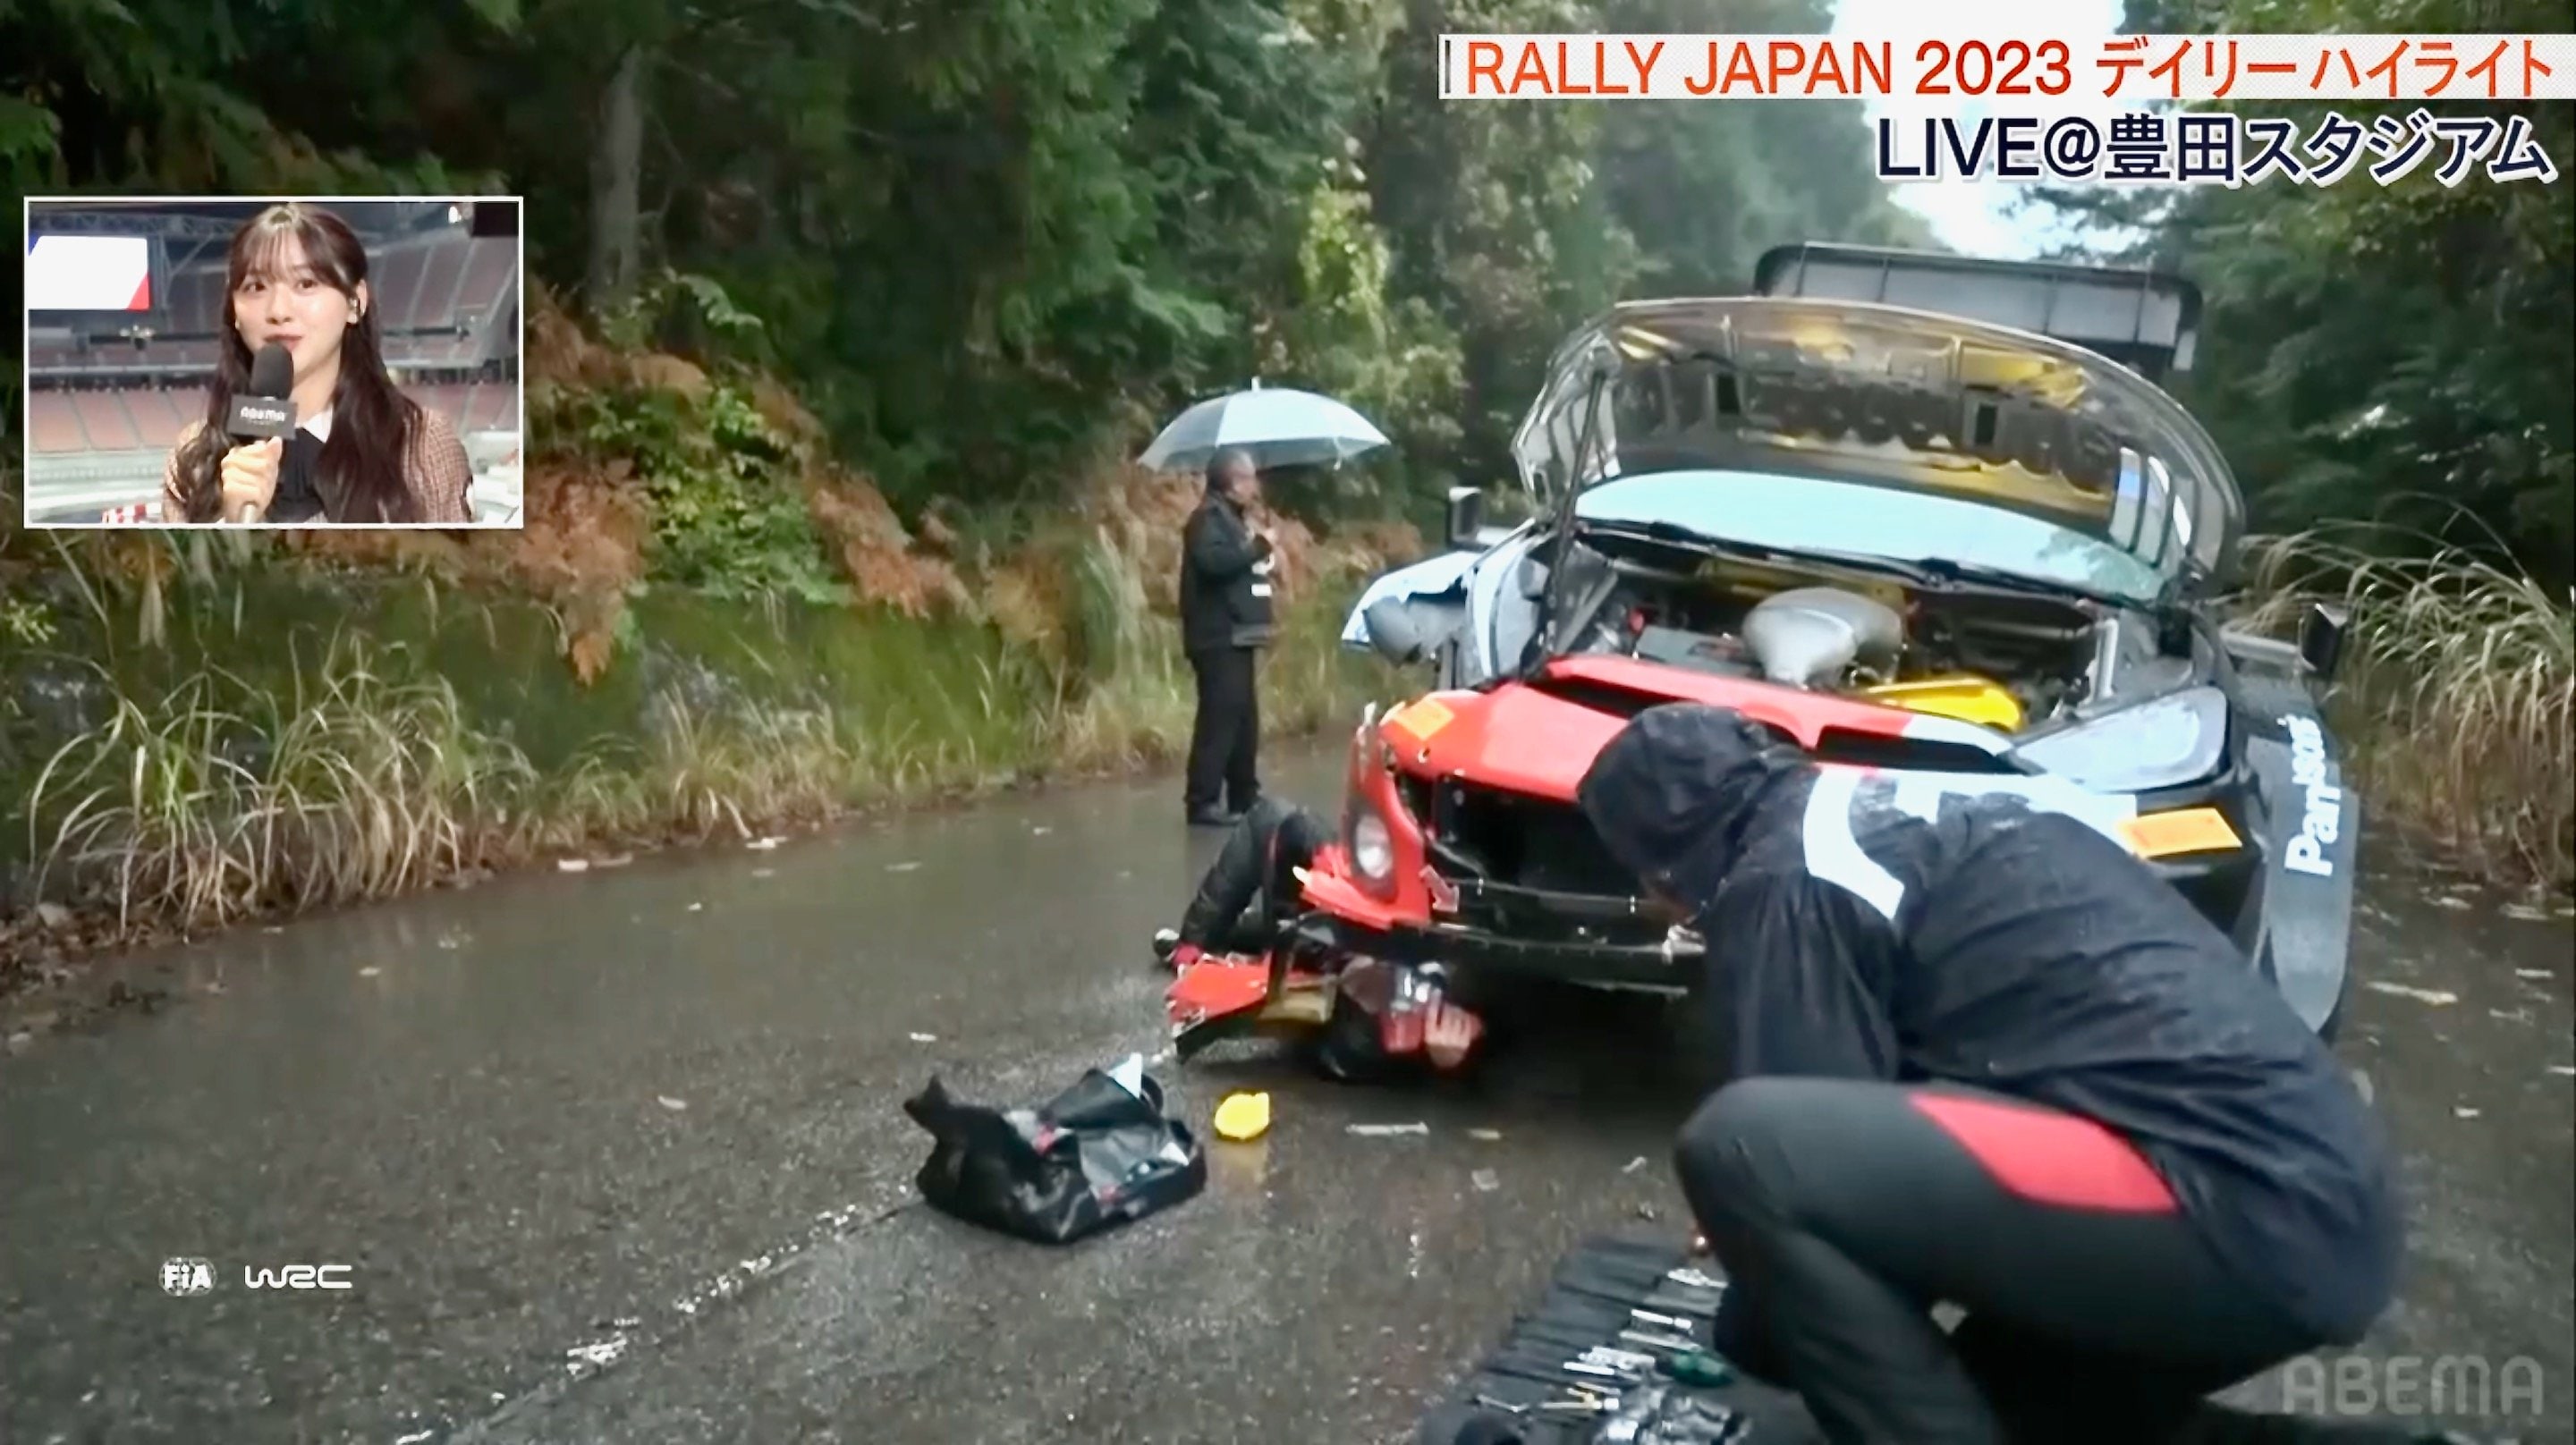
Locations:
360 473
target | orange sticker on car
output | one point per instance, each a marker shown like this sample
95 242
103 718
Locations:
1424 719
2191 830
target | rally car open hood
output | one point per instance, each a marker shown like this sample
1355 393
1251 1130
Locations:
1888 396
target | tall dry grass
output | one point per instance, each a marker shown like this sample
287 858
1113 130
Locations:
2457 695
215 801
218 799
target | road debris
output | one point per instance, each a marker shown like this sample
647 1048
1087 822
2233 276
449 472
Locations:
901 867
2450 900
2420 995
764 872
2536 973
1386 1131
572 865
2464 1112
1486 1181
925 1038
2526 913
1040 831
1486 1136
1634 1165
763 845
674 1105
2563 1071
697 908
370 971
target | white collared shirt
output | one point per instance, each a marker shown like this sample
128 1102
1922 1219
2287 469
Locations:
320 425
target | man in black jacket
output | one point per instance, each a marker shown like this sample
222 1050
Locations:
1225 621
1980 1054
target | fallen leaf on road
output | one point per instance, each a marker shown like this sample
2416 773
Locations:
1487 1135
2420 995
1485 1180
1387 1131
370 971
1635 1164
572 865
901 867
674 1105
925 1038
2464 1113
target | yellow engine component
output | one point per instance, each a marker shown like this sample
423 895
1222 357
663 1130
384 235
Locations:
1965 697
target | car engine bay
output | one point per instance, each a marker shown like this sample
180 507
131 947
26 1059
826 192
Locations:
2005 658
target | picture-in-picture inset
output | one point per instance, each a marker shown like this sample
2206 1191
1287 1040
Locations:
273 361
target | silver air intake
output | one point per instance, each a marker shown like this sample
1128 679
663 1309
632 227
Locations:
1809 637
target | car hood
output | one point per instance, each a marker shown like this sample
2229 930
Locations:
1893 397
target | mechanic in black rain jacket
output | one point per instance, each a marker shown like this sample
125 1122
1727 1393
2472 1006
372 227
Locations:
1986 1057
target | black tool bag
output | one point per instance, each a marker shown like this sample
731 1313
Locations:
1096 1156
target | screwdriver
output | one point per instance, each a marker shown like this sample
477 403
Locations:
1698 1368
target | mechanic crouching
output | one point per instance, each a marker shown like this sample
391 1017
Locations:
1988 1058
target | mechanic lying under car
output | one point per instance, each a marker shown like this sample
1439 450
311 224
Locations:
1252 890
1987 1058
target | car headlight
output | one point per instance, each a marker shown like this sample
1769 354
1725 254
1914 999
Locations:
1372 851
2161 743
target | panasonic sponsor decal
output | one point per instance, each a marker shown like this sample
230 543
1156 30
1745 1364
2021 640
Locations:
2322 822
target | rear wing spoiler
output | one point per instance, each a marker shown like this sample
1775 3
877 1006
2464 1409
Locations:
2146 321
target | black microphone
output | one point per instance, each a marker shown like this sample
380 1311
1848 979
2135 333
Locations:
264 408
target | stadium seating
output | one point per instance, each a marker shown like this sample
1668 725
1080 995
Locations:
149 417
51 424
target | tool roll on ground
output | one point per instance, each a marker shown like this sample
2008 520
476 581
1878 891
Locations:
1625 1319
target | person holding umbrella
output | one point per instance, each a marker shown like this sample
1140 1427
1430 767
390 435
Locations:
1226 620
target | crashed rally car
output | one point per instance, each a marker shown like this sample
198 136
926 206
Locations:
1929 517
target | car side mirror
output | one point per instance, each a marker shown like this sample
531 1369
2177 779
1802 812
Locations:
1392 632
2321 639
1466 520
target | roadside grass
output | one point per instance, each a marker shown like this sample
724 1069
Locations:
2457 694
215 800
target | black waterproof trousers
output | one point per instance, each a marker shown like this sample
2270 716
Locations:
1225 740
1843 1211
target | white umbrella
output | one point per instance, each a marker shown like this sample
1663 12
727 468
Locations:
1277 426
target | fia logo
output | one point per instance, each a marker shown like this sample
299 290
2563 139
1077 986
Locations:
187 1276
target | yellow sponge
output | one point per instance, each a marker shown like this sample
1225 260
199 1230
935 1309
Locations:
1243 1116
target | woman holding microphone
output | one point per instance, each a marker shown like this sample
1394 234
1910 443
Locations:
296 278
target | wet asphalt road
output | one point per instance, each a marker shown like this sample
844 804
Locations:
619 1157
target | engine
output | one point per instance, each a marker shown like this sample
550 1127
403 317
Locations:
2003 661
